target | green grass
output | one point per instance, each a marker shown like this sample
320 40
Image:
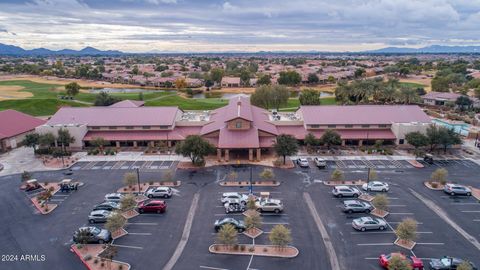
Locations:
38 106
188 104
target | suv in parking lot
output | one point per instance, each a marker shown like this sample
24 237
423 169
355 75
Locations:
448 263
93 234
163 192
109 206
345 191
229 196
454 189
303 162
99 216
376 186
113 197
269 205
355 206
153 206
368 223
320 162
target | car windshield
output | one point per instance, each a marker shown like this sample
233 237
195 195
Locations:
95 230
445 261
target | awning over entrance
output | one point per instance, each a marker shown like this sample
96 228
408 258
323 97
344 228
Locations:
361 134
134 135
238 138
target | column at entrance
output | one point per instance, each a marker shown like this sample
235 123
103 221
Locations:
227 155
250 154
135 145
117 144
343 142
360 143
219 154
259 154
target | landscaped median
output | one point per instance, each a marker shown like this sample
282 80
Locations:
438 179
92 257
132 184
475 192
269 183
257 250
415 163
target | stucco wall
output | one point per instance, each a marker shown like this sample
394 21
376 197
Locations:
76 131
401 129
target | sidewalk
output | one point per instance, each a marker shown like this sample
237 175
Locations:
131 156
21 159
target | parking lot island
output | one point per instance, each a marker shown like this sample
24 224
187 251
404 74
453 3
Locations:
256 250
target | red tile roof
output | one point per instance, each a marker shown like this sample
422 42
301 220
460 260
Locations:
363 114
358 134
110 116
13 123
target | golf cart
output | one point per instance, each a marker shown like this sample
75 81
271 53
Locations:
32 185
428 158
66 185
234 206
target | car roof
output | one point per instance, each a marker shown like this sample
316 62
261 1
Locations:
99 212
161 188
351 201
113 194
230 193
376 182
455 185
155 201
303 159
366 219
319 158
342 187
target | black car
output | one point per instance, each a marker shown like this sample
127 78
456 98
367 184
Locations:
448 263
92 235
239 225
109 206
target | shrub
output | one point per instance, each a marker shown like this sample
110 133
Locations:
337 175
95 261
120 266
242 248
380 201
102 264
440 176
236 247
130 179
407 230
87 257
251 249
434 184
265 249
277 163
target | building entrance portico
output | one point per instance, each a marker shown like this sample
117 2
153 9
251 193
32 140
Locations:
251 154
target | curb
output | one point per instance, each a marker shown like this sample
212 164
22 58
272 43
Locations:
415 164
74 249
248 253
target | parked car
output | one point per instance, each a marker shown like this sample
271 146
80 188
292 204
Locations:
448 263
229 196
152 206
269 205
109 206
234 206
368 223
113 197
376 186
32 185
95 235
238 224
320 162
355 206
99 216
415 263
159 192
345 191
303 163
454 189
428 158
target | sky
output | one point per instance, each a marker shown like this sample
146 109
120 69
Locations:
238 25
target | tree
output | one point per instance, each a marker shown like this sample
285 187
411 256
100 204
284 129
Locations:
313 78
72 88
310 140
128 202
380 201
83 237
309 97
130 179
408 95
337 175
135 70
280 236
195 147
330 137
180 83
463 102
26 176
372 174
104 99
448 137
433 137
209 83
216 74
268 96
227 235
115 222
416 139
46 140
245 77
407 230
64 138
398 262
251 204
359 72
290 77
267 174
254 220
99 142
465 265
286 145
31 140
264 80
440 175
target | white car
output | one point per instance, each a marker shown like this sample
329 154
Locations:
345 191
113 197
230 196
303 162
376 186
159 192
320 162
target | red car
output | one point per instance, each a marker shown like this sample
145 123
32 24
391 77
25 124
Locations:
415 262
155 206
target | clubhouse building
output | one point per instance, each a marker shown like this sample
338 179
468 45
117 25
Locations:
237 128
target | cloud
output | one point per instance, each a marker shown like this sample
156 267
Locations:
157 2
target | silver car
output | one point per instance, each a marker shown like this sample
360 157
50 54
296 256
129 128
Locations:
345 191
355 206
99 216
376 186
320 162
303 162
114 197
269 205
159 192
454 189
234 196
368 223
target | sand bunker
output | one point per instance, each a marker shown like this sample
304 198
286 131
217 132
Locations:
13 92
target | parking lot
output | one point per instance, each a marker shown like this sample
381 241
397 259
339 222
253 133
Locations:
153 238
124 165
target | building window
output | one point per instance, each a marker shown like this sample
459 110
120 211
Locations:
164 127
332 126
365 126
382 126
314 126
238 124
95 127
112 127
349 126
145 127
401 141
129 127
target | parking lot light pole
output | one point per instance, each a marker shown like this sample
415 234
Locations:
368 175
138 180
251 186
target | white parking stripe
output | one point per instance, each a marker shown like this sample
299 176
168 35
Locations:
477 220
133 247
466 203
434 244
213 268
142 223
401 213
386 232
470 211
376 244
138 233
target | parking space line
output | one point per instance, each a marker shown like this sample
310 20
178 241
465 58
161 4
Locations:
130 233
454 203
431 244
476 220
401 213
385 232
124 246
470 211
275 223
212 268
376 244
398 205
143 223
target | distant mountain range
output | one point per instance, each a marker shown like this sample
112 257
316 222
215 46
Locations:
18 51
